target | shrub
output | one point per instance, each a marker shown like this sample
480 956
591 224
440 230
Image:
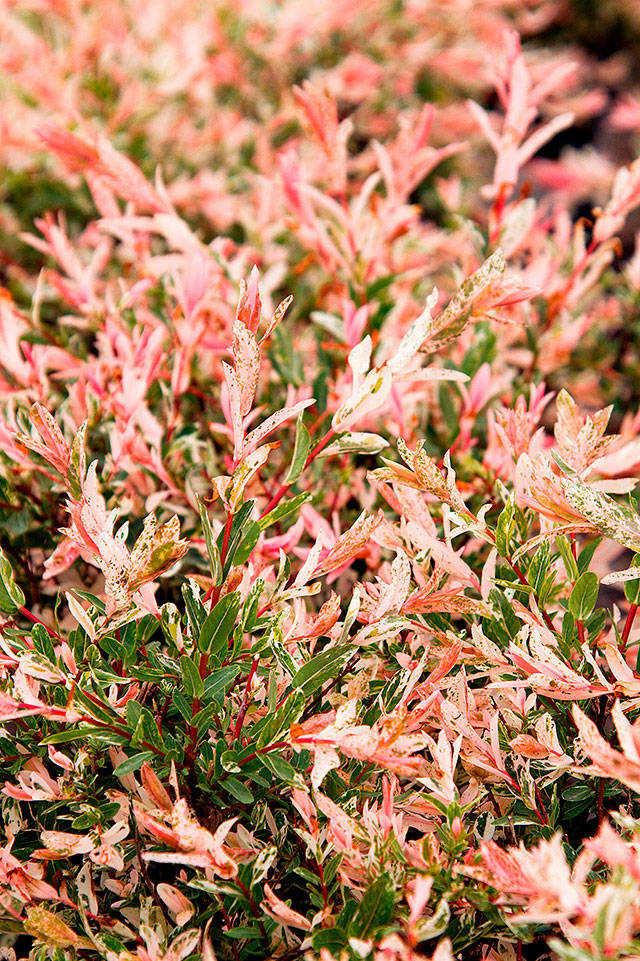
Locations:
320 561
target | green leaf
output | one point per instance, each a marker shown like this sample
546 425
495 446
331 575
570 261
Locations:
539 566
282 719
170 622
275 644
320 668
236 535
71 734
147 731
300 452
243 933
284 571
11 597
219 624
283 510
193 683
280 767
217 683
42 642
586 554
182 704
238 790
250 606
375 908
584 596
564 547
212 548
133 763
75 463
250 534
333 939
632 588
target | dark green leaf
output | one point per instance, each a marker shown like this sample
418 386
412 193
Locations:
283 510
300 452
238 790
212 548
375 908
219 624
133 763
321 668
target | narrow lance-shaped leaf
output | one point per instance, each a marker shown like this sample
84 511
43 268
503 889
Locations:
454 318
300 452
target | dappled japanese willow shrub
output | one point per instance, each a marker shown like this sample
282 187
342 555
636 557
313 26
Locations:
319 427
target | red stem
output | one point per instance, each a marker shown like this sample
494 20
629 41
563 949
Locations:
245 699
36 620
628 624
282 490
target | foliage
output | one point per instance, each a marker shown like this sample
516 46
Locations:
320 559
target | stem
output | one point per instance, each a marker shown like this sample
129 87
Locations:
282 490
523 580
600 801
36 620
628 624
345 670
254 910
213 593
245 699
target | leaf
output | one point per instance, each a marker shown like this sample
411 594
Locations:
375 908
434 926
42 642
219 624
147 730
415 336
366 399
334 940
282 719
284 509
280 767
355 443
212 547
504 528
236 534
564 548
275 644
451 321
77 463
238 790
250 534
272 423
196 611
632 588
11 597
217 683
350 542
71 734
320 668
300 452
250 607
584 596
193 683
616 521
133 763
